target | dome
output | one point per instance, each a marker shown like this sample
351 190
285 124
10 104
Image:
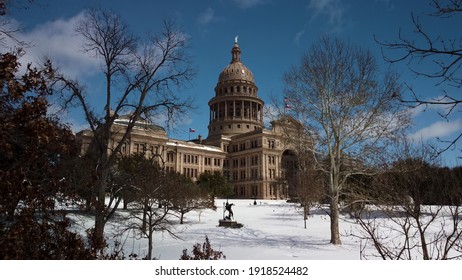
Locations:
236 70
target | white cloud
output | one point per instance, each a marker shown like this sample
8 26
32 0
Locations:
59 41
245 4
298 36
439 129
332 10
207 17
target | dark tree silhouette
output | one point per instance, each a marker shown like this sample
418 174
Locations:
33 146
145 72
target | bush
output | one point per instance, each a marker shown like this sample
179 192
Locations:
203 252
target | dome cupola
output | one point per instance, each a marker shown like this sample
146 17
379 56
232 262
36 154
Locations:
236 70
236 108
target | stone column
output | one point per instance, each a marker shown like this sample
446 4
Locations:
251 109
261 114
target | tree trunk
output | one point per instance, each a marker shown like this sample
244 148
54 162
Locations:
334 221
145 215
334 190
100 209
150 236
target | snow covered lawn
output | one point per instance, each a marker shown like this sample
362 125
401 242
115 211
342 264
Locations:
273 230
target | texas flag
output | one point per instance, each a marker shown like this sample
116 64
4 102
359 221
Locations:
192 130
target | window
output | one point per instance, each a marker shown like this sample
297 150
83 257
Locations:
170 157
254 160
254 173
271 160
272 173
242 174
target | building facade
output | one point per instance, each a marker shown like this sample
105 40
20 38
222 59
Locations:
253 158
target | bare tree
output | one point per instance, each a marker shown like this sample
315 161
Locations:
152 193
349 109
437 57
139 76
9 29
151 212
399 221
308 187
304 183
188 196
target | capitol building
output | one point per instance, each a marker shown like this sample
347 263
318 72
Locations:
255 159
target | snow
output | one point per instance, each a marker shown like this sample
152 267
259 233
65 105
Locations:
273 235
273 230
181 143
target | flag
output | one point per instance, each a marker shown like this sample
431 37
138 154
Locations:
192 130
288 106
286 99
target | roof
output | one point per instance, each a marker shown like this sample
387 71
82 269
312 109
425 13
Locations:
236 70
141 123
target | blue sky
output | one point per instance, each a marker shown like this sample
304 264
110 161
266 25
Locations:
273 34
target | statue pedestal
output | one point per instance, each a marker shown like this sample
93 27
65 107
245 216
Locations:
229 223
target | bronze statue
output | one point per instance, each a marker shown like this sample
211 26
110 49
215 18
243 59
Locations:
230 211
